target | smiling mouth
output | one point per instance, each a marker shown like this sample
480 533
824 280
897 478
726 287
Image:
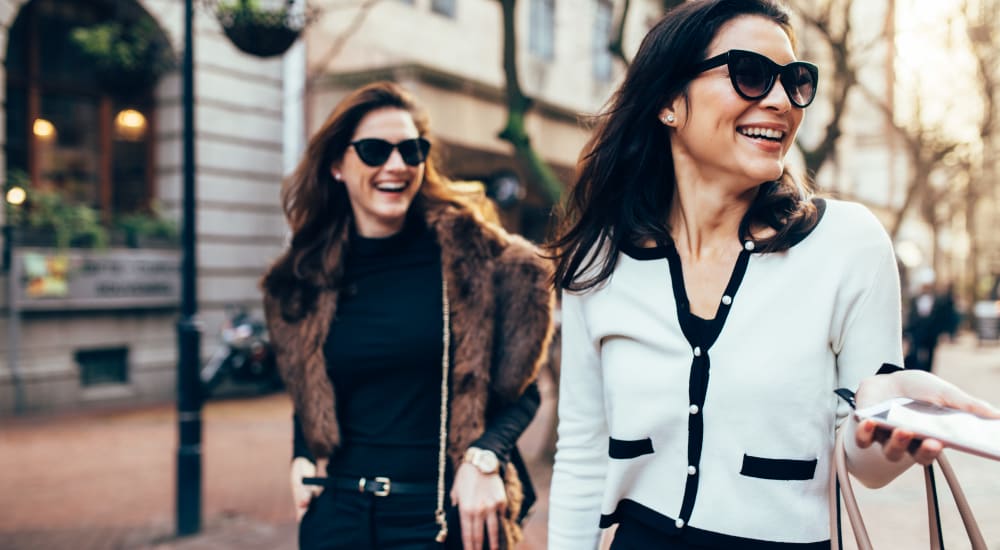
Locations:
762 133
394 187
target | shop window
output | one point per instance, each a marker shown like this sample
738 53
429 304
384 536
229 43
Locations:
71 128
103 366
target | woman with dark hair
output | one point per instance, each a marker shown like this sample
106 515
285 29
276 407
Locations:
711 306
408 332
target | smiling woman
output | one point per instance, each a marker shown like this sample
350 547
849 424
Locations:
426 322
711 305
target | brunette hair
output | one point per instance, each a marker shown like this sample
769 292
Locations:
317 206
625 180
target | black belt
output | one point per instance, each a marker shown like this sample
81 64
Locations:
378 486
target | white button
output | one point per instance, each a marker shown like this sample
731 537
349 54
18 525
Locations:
726 300
697 351
692 470
679 523
749 245
693 409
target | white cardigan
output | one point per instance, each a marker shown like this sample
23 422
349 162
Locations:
748 456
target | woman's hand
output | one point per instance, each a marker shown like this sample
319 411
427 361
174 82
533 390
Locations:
303 494
914 384
480 499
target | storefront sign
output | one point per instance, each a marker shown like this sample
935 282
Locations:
85 279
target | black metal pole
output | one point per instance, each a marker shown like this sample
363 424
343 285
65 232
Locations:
188 329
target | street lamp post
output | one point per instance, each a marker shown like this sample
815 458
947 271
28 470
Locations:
189 389
188 328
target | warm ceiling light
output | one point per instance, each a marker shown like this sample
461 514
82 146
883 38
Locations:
130 124
16 196
43 128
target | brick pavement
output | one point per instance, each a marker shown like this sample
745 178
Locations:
105 479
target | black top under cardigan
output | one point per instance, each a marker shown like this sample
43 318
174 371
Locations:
386 344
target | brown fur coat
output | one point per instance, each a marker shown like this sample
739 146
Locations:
498 288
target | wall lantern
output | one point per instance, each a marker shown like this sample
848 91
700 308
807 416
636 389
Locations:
130 125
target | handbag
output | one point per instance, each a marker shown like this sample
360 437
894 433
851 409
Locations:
840 482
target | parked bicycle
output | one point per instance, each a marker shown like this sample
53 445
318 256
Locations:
244 355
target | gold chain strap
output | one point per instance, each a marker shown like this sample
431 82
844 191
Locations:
439 514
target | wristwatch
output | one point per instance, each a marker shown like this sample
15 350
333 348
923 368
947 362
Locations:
484 460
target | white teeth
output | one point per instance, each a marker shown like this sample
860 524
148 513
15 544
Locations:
762 132
390 186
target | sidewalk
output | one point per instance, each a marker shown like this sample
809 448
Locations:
105 480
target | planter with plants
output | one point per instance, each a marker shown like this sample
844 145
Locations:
49 220
147 230
259 30
128 56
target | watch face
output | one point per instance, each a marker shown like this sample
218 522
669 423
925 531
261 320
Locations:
484 461
487 462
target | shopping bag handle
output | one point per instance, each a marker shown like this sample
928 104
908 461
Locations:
840 483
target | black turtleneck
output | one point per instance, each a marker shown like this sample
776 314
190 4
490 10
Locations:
383 354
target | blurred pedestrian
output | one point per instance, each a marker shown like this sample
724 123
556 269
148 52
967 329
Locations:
928 316
711 306
409 332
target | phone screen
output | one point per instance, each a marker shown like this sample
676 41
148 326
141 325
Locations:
951 426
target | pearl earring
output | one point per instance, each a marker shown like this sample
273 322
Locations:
671 119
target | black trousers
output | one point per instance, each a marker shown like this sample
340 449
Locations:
339 519
632 535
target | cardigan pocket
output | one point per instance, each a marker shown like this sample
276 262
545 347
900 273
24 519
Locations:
781 469
629 448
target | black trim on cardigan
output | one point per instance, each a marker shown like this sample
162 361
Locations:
700 334
888 368
659 251
632 510
780 469
624 449
848 395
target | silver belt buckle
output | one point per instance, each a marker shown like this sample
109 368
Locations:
386 487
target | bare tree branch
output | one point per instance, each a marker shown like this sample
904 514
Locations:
518 105
982 34
617 35
844 78
926 150
339 42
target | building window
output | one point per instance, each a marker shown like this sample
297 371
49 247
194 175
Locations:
444 7
601 39
68 129
541 31
103 366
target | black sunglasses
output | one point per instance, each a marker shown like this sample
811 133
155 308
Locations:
753 76
375 151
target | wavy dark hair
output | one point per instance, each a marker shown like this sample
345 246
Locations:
625 178
317 206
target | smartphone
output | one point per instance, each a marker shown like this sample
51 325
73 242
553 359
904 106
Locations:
954 428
